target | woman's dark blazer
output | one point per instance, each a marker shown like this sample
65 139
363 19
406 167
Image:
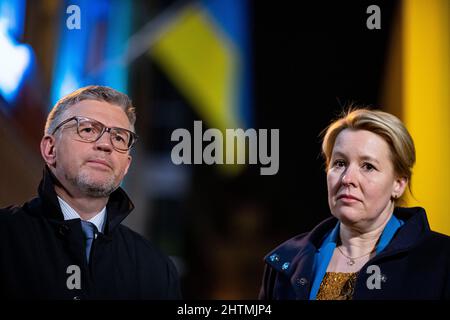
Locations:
414 265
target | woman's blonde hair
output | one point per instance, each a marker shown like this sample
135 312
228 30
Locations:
386 125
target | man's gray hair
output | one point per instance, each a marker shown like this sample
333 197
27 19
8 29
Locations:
99 93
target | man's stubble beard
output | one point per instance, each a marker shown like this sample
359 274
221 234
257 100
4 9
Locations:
84 183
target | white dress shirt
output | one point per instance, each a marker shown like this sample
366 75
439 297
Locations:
69 213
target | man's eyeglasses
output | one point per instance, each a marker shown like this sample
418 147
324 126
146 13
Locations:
91 130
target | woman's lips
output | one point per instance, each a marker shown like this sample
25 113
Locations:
347 198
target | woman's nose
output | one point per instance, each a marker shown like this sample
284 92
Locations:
349 176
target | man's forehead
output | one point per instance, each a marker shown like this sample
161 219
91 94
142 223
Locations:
109 114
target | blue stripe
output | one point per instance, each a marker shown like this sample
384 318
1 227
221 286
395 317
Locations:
232 18
322 259
388 233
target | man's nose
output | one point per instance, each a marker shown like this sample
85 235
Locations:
104 143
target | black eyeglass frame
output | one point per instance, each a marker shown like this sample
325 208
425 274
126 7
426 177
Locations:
133 136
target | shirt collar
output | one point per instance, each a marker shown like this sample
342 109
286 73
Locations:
69 213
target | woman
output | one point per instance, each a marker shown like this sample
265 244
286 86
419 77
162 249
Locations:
370 249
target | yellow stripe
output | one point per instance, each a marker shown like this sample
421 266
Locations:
202 64
426 111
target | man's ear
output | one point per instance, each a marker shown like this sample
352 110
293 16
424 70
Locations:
128 165
48 151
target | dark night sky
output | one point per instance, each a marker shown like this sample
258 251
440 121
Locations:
309 61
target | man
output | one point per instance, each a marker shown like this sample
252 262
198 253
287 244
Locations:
68 242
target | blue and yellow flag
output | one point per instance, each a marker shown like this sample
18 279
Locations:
205 52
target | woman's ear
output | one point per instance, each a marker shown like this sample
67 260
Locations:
48 151
400 184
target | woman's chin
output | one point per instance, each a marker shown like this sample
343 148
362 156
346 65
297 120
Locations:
347 215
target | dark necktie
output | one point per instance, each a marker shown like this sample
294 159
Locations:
89 230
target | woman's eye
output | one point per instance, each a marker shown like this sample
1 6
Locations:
339 164
368 167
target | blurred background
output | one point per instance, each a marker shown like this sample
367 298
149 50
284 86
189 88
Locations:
232 64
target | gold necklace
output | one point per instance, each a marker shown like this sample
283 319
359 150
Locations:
351 260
